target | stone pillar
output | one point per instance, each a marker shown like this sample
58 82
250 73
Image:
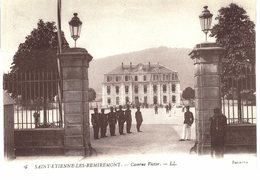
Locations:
207 59
9 147
74 70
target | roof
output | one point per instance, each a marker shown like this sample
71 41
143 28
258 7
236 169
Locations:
141 68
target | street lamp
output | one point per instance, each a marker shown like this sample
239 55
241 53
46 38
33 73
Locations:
205 20
75 27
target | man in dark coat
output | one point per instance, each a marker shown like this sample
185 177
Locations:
128 119
103 119
111 117
139 119
218 123
121 120
95 120
156 109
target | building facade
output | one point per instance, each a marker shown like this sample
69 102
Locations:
141 84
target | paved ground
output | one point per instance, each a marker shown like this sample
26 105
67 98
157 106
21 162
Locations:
161 134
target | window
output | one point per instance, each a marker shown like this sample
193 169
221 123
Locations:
164 77
173 99
174 77
155 100
136 89
145 89
155 88
117 89
164 99
126 99
126 78
173 87
108 90
109 78
108 101
144 77
126 89
145 99
136 78
117 100
164 88
168 77
136 99
118 78
155 77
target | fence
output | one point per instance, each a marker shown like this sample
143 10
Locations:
36 99
239 98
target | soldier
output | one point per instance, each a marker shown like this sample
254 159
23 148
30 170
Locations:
155 109
218 123
121 120
139 119
95 120
111 117
103 119
128 119
188 121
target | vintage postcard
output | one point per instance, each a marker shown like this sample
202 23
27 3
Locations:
92 85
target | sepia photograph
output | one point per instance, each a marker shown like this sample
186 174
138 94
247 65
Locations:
111 85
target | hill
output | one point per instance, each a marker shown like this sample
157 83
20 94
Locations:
174 58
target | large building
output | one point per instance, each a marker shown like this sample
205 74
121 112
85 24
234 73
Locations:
141 84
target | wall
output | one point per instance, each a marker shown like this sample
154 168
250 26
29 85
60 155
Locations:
47 141
241 138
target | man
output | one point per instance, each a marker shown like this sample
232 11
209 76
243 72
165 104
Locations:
188 121
95 120
218 123
103 119
128 119
155 109
111 117
121 120
139 119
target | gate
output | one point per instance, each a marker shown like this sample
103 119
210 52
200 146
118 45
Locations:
38 124
239 98
239 106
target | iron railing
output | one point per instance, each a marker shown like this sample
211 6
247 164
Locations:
35 93
239 98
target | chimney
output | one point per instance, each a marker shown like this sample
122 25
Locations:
158 65
149 65
130 65
122 65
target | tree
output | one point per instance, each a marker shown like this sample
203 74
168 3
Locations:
39 51
35 61
92 94
188 93
235 32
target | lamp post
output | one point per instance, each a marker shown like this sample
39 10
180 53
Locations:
205 20
75 27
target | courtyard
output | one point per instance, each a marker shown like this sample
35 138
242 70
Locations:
160 135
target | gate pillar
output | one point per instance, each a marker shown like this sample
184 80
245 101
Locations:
207 62
74 73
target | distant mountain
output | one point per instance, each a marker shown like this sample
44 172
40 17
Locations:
174 58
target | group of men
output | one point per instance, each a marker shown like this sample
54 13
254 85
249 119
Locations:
100 121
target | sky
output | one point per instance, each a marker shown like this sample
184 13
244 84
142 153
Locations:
113 26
